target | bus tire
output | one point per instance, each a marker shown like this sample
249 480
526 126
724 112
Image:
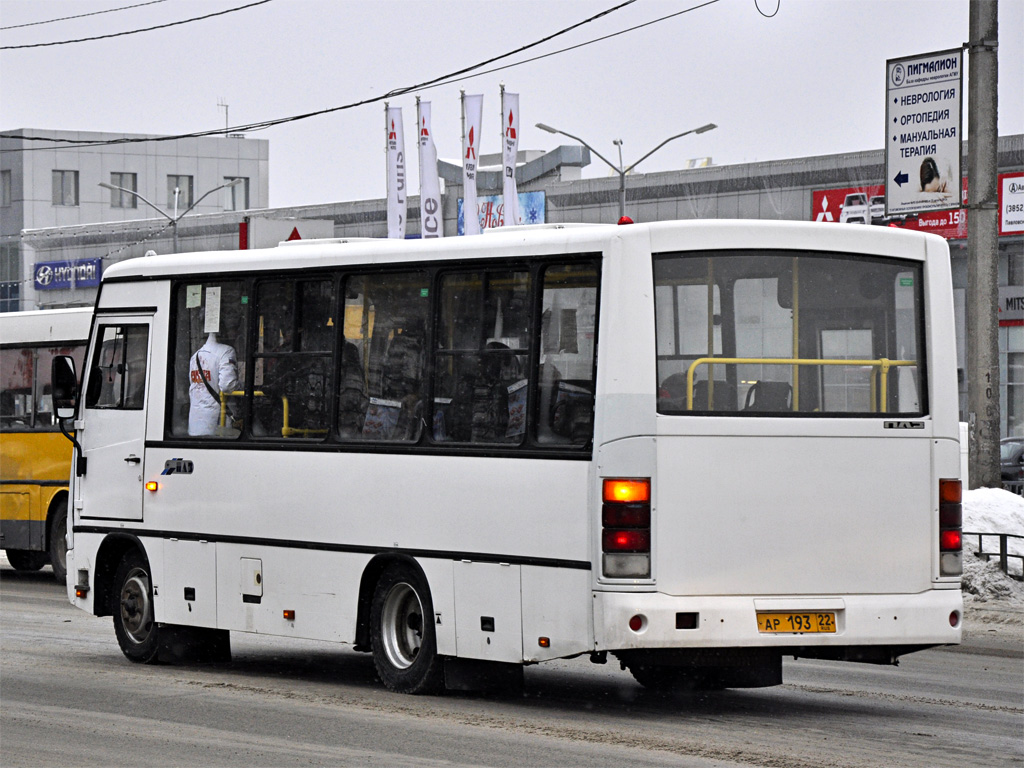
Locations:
402 634
132 608
25 559
58 540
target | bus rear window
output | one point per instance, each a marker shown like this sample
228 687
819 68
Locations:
788 333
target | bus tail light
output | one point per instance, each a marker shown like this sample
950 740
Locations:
626 528
951 513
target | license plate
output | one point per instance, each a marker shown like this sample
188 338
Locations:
823 621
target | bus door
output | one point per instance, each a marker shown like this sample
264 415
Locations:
112 431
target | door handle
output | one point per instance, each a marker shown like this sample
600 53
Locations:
133 459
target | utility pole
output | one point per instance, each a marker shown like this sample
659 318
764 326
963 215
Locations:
983 246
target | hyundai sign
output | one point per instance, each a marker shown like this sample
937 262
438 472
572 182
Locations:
61 275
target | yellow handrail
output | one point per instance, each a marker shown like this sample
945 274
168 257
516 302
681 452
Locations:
286 431
879 366
224 402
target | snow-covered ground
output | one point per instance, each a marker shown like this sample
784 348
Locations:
992 510
993 601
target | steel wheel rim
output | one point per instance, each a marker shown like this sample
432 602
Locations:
402 626
136 610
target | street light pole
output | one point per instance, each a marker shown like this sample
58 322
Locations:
619 169
176 217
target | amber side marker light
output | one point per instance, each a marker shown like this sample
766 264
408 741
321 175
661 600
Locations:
152 485
544 642
289 615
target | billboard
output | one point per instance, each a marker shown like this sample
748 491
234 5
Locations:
62 275
827 205
491 210
923 106
1011 203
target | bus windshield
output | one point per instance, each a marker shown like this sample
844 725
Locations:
788 333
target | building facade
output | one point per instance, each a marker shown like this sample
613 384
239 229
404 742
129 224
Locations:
50 180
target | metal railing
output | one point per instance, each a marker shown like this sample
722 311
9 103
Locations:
879 373
1003 554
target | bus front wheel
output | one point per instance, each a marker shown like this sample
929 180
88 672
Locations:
402 633
132 607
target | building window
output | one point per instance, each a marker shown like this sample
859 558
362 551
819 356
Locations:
184 186
119 199
10 277
5 189
236 197
65 187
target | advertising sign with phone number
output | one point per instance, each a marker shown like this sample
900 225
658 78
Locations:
826 205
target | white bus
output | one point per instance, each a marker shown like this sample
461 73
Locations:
35 460
697 446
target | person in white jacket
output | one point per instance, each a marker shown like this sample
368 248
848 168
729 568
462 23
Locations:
211 370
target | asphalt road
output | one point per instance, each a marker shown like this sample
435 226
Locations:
69 698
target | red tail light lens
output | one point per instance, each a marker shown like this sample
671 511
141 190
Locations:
625 540
950 541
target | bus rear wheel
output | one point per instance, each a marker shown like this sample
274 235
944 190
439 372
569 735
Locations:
132 608
25 559
58 541
402 633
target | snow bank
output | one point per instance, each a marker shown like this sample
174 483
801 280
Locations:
992 510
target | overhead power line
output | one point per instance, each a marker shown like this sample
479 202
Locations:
446 79
81 15
134 31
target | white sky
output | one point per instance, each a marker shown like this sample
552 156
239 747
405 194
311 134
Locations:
809 81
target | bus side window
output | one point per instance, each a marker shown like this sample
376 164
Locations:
565 406
480 361
383 357
118 375
294 371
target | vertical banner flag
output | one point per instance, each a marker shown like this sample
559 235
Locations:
396 172
431 224
472 115
510 146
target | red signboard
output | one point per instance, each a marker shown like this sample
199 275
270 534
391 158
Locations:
827 205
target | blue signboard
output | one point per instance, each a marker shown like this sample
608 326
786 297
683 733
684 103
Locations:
62 275
491 210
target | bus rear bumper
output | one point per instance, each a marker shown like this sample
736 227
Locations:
908 621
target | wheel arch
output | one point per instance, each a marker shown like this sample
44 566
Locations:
51 509
367 584
108 557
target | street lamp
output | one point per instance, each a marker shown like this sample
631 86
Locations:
618 168
176 217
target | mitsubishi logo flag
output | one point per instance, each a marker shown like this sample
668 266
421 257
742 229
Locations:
509 148
430 186
472 113
396 172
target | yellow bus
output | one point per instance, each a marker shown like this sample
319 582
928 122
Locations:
35 458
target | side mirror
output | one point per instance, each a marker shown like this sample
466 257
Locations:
64 387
